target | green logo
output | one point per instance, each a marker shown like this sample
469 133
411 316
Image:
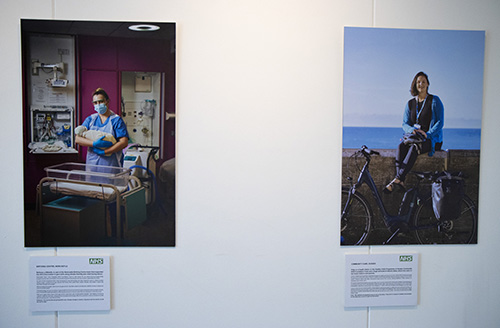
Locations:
96 261
405 258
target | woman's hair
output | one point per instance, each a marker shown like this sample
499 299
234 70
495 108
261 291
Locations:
100 91
413 88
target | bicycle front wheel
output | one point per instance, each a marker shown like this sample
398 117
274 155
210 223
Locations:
430 230
356 219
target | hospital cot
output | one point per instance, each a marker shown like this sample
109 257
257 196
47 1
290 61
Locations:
123 193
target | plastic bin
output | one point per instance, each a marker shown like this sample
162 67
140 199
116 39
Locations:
73 221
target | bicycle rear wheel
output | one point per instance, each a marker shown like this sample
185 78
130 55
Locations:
430 230
356 219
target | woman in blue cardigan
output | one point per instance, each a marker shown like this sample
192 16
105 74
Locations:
423 116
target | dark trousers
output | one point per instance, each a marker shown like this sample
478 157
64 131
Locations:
406 156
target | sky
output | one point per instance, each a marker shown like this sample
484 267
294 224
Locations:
380 63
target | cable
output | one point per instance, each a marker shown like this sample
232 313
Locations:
154 184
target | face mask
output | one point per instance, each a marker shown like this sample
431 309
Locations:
101 108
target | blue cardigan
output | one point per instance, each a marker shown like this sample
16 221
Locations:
435 132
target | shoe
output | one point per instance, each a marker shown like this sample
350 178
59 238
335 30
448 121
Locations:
395 182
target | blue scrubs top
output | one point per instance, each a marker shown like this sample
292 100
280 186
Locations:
114 125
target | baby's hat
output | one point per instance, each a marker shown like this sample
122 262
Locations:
79 130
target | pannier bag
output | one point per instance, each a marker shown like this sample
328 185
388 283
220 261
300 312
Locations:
447 195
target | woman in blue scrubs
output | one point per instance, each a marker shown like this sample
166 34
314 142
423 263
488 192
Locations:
102 152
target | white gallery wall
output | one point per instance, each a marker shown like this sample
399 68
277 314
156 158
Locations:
259 118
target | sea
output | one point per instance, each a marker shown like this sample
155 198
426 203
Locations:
389 138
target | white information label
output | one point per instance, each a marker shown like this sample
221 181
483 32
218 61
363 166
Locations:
69 283
381 280
58 97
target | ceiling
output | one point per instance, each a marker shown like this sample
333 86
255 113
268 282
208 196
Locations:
97 28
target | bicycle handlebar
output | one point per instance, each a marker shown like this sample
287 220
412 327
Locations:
367 151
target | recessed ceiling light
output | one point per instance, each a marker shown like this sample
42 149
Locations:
144 27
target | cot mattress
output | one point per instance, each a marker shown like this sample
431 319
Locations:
86 190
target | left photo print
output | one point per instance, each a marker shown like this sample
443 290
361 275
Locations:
99 133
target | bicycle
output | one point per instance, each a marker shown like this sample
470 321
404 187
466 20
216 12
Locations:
415 212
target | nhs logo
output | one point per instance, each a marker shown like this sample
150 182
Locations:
96 260
405 258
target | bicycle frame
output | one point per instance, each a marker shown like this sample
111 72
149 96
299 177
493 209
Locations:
389 220
410 217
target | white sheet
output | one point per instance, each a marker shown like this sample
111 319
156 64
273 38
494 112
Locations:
68 188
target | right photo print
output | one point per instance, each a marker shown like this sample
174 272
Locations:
412 106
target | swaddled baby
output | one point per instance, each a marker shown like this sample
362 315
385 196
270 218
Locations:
93 134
